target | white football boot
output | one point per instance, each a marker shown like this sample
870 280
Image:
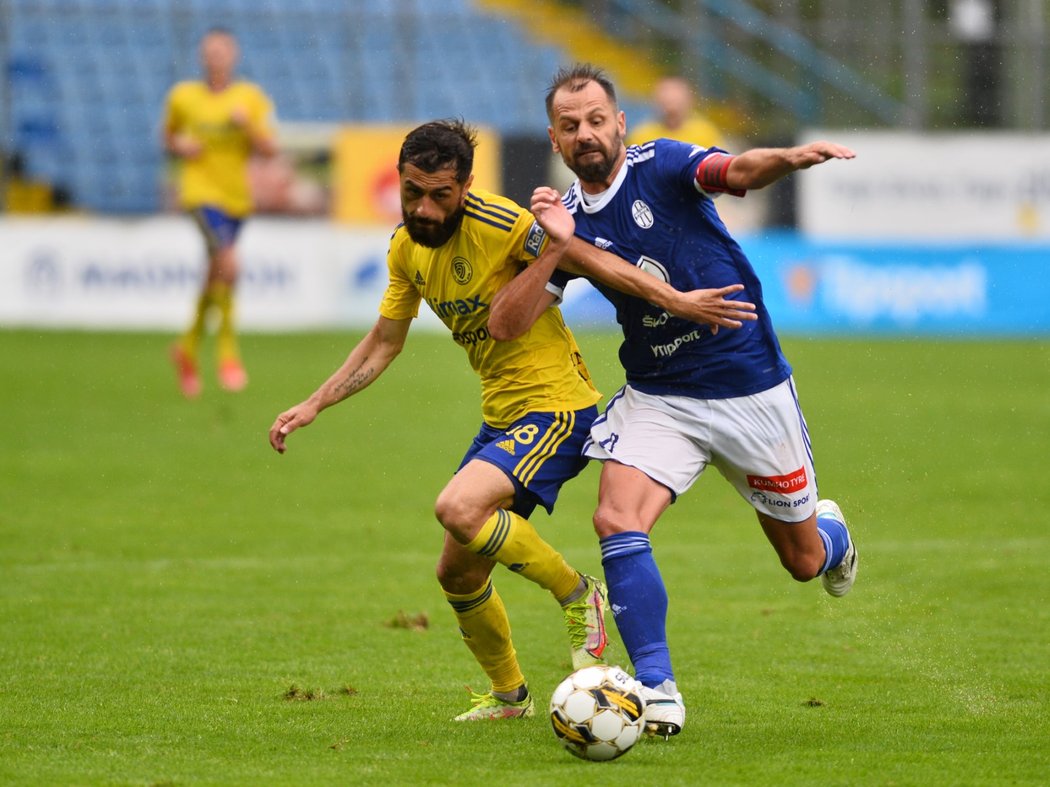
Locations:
837 581
664 711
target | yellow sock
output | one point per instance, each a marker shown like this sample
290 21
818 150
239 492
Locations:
511 540
222 295
485 628
192 338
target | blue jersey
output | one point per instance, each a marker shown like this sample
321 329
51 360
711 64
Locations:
655 216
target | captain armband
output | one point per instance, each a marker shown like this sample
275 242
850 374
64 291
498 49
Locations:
711 175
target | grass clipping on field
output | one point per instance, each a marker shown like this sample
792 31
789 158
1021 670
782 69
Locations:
297 693
413 622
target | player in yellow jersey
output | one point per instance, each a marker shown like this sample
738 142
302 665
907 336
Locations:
676 117
461 251
213 127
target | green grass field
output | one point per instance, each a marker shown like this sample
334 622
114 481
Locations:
180 605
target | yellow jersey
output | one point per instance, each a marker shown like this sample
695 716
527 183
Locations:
542 370
219 175
696 130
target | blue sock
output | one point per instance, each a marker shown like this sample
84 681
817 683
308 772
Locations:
638 600
836 540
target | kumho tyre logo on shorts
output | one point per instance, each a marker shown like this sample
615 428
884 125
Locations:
780 484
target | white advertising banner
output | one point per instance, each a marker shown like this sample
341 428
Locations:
911 186
146 273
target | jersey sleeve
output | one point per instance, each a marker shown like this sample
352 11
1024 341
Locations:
710 175
697 168
535 238
535 243
401 298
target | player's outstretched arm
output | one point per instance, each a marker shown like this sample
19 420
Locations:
706 307
372 355
758 167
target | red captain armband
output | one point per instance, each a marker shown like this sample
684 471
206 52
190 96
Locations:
711 174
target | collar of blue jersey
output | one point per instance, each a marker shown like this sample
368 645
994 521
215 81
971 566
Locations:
592 203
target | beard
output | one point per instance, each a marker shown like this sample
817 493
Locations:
596 170
432 234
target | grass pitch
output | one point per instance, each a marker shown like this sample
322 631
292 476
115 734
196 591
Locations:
181 605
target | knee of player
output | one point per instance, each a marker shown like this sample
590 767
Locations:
608 522
803 566
458 518
224 262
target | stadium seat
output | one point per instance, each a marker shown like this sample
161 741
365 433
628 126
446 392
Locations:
88 77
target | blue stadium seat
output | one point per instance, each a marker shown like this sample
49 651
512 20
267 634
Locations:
88 77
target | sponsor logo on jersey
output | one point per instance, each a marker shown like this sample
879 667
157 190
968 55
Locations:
664 350
420 281
602 243
462 271
781 484
458 306
643 214
534 240
506 445
649 321
470 338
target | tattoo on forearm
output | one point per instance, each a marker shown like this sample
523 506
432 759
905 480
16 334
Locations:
355 381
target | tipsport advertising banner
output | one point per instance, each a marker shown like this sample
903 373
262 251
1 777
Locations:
146 273
895 289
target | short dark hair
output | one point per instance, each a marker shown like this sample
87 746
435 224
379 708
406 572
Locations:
440 144
575 78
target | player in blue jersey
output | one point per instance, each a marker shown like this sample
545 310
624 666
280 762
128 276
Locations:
694 395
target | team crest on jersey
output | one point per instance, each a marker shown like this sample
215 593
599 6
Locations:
462 271
534 240
643 214
506 445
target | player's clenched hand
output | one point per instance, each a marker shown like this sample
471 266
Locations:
712 307
185 146
552 215
239 117
288 421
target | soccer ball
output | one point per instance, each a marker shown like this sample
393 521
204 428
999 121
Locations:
598 713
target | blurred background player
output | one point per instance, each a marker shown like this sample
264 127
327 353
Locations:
213 127
676 117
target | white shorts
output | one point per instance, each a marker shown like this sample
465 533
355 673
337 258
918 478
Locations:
759 443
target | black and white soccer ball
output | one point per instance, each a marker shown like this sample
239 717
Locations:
598 713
